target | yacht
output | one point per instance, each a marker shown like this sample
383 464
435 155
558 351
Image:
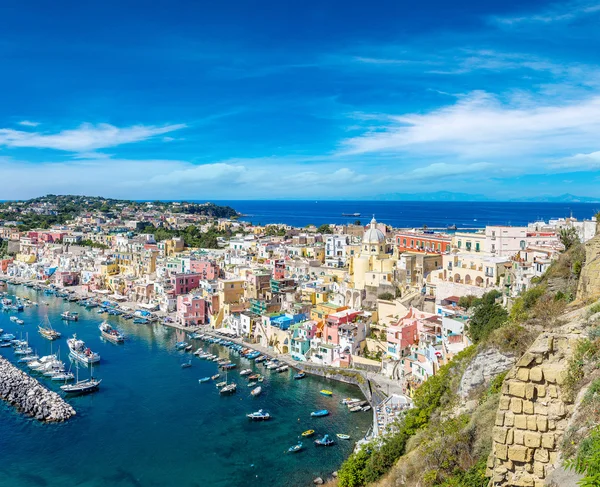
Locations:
46 330
82 353
82 386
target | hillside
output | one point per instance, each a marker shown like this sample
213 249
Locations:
521 407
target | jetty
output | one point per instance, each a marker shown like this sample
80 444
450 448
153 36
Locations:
29 397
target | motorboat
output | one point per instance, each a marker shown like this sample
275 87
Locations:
246 372
70 316
260 415
188 348
252 384
308 433
326 392
82 353
256 392
65 376
283 368
300 375
181 345
253 377
204 380
320 413
27 359
296 448
186 365
215 377
342 436
325 441
110 333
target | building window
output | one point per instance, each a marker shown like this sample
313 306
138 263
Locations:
459 244
522 244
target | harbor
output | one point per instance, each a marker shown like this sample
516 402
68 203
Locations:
146 399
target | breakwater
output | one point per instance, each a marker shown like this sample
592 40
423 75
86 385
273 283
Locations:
29 397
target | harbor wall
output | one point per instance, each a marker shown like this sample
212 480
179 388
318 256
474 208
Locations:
29 397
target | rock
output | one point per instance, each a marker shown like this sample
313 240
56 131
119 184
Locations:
485 366
334 474
589 280
318 481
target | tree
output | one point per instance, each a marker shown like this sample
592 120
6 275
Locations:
325 228
386 296
487 317
568 237
358 223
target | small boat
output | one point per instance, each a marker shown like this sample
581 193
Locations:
203 380
5 345
65 376
228 389
366 408
320 413
342 436
110 333
27 359
253 376
325 441
246 372
283 368
140 321
181 345
260 359
186 365
228 366
188 348
295 448
308 433
325 392
252 384
300 375
256 392
221 384
215 377
83 386
260 415
70 316
350 400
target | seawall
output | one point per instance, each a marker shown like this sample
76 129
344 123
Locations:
29 397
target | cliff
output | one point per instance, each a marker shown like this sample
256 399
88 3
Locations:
589 280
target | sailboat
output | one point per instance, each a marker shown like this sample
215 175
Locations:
46 330
82 386
229 388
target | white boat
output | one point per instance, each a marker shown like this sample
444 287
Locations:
82 386
70 316
110 333
41 362
257 391
82 353
246 372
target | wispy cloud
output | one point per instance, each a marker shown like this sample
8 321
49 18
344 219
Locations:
28 123
558 12
86 138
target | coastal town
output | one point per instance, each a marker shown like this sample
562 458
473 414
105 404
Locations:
385 302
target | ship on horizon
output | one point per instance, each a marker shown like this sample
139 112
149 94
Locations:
350 214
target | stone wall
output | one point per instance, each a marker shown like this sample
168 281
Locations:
485 366
589 281
532 414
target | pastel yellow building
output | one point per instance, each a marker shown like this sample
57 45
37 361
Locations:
373 266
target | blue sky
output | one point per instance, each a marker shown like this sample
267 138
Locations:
328 99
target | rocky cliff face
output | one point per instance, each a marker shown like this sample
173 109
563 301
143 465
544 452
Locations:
589 281
485 366
533 413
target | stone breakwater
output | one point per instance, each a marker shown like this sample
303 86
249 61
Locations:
30 397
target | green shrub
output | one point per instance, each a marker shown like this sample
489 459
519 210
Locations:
474 477
587 461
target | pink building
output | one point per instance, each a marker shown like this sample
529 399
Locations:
192 310
51 237
184 283
333 322
207 269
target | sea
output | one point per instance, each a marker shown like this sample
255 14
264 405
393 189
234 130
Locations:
408 214
153 424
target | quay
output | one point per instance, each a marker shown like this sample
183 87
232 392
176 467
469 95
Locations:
29 397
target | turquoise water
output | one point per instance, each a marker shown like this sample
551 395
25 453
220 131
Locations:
153 424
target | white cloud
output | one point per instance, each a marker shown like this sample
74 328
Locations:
479 126
441 170
559 12
86 138
579 162
28 123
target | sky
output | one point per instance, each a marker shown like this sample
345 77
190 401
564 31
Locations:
315 99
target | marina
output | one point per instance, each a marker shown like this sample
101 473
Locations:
168 407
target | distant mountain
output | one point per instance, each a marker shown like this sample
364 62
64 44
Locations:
434 196
563 198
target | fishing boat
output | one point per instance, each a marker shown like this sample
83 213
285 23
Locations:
342 436
296 448
215 377
45 329
246 372
82 386
256 392
82 353
260 415
228 389
320 413
325 441
110 333
308 433
300 375
204 380
70 316
325 392
186 365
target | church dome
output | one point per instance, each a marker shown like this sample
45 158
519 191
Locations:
373 236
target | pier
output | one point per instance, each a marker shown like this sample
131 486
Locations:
29 397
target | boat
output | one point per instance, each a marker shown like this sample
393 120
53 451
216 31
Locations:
23 351
215 377
451 227
308 433
27 359
70 316
351 214
186 365
350 401
45 329
320 413
188 348
246 372
110 333
82 387
229 366
228 389
260 359
366 408
260 415
181 345
65 376
283 368
325 392
5 345
256 392
296 448
253 376
300 375
140 321
252 384
342 436
325 441
204 380
82 353
221 384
